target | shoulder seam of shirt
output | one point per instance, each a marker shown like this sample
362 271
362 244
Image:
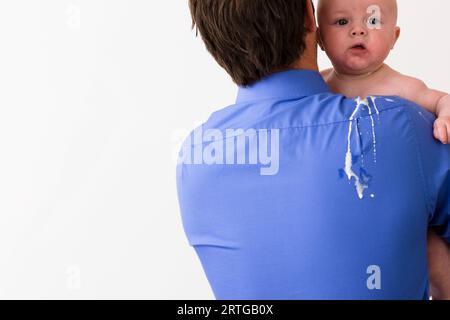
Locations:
280 98
421 166
296 127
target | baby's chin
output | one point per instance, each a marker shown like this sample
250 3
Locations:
357 68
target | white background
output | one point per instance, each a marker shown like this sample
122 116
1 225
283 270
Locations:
95 96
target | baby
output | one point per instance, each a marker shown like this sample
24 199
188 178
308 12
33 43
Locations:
357 36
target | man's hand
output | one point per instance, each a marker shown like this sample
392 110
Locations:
439 266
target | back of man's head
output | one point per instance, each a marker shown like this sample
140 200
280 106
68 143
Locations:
251 39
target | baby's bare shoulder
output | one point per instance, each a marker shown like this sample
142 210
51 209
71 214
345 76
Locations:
416 90
408 86
404 81
412 83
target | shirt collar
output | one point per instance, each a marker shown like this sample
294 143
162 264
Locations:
285 84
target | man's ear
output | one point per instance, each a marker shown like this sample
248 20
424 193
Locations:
319 40
310 21
397 35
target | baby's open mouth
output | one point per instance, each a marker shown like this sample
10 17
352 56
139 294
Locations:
358 46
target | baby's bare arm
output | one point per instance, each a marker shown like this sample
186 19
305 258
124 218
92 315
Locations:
443 107
433 100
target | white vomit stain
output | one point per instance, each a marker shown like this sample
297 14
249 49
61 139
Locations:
423 116
359 136
348 157
360 186
374 137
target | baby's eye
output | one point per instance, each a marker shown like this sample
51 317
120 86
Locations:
342 22
374 21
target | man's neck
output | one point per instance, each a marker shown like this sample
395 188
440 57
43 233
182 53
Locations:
308 60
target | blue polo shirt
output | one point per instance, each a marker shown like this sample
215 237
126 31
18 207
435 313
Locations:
295 192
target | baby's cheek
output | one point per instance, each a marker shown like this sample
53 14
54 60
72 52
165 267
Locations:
330 35
382 49
334 44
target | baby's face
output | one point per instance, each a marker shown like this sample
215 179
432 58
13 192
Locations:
357 35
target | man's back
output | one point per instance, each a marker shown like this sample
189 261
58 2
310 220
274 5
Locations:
296 193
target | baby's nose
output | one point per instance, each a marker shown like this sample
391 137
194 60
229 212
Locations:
359 31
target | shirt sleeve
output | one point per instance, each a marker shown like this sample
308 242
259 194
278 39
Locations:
435 162
440 218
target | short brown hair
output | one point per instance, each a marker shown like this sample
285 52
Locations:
251 39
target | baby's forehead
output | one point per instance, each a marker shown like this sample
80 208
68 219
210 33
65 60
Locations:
331 5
